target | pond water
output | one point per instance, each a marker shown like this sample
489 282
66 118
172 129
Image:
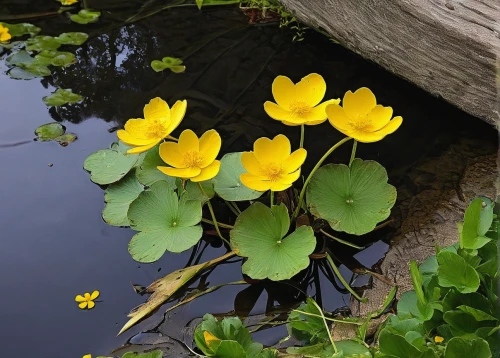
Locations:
54 242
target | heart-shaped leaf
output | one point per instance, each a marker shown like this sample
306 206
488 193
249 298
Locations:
259 235
118 198
85 17
107 166
453 271
164 222
61 97
174 64
352 199
72 38
227 183
21 29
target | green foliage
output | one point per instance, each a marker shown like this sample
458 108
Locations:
147 172
352 199
174 64
201 3
56 132
154 354
61 97
85 17
55 58
21 29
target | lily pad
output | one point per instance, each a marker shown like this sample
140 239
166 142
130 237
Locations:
227 183
352 199
107 166
21 29
259 234
20 74
147 173
72 38
66 139
28 68
19 57
164 222
40 43
174 64
36 69
49 131
454 271
61 97
55 58
118 198
85 17
193 191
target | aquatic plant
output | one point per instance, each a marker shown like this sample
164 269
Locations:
87 300
4 34
160 186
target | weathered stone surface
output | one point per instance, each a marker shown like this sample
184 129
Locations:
448 47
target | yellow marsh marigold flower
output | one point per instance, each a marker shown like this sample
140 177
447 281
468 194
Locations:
299 103
67 2
159 121
87 300
361 118
271 166
192 158
4 34
438 339
87 356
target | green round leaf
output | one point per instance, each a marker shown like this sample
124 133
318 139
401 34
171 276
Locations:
49 131
40 43
110 165
85 17
61 97
351 199
118 198
193 192
454 271
459 347
158 66
20 74
258 234
227 183
55 58
178 69
18 58
73 38
21 29
164 222
147 173
37 70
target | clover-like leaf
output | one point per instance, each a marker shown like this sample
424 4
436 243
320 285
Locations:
454 271
118 198
164 222
107 166
85 17
352 199
174 64
259 235
55 58
72 38
61 97
40 43
21 29
147 173
227 183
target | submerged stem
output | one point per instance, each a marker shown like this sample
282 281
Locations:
302 135
323 158
326 325
346 285
228 204
225 226
213 216
271 194
353 153
340 240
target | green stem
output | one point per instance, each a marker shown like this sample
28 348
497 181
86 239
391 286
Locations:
323 158
329 319
213 217
225 226
235 206
337 272
353 153
340 240
326 325
231 207
302 134
271 194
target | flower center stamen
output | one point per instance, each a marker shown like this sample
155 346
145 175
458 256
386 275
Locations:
192 159
156 130
362 124
272 171
300 108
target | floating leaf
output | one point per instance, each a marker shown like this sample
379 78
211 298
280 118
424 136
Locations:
118 198
165 287
193 191
25 63
66 139
351 199
85 17
19 57
61 97
20 74
258 234
21 29
227 183
148 174
174 64
73 38
164 222
55 58
107 166
40 43
49 131
36 69
453 271
459 347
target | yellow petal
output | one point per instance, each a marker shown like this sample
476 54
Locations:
208 172
138 128
143 148
91 305
176 115
293 124
87 356
295 160
210 144
157 110
283 91
250 163
209 337
129 139
276 150
370 137
276 112
338 118
255 182
79 298
170 154
94 295
438 339
184 173
359 103
311 89
279 186
87 296
318 113
380 116
83 305
290 178
188 142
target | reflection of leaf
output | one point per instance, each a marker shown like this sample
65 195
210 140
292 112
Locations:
165 287
21 29
72 38
352 199
85 17
61 97
174 64
118 198
258 234
164 222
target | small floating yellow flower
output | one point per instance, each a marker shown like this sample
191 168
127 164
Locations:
159 121
4 34
361 118
271 166
438 339
67 3
87 300
192 158
87 356
299 103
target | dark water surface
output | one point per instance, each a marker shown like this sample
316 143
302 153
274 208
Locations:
54 242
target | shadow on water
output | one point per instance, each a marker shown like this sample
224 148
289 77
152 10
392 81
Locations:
56 245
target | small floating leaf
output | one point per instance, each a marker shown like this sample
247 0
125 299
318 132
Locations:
66 139
21 29
85 17
40 43
67 2
73 38
49 131
19 57
174 64
55 58
36 69
61 97
118 198
20 74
